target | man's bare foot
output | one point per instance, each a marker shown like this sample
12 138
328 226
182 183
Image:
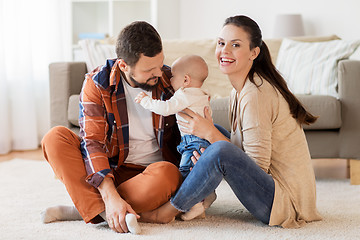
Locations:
164 214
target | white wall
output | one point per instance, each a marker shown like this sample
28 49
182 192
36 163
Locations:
204 18
168 18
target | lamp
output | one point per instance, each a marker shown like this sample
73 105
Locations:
288 25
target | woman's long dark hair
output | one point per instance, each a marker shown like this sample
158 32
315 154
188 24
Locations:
264 67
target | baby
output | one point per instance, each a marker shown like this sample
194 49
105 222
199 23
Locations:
189 73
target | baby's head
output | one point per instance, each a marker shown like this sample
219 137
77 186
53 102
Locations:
188 71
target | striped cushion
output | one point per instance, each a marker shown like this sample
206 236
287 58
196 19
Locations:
311 68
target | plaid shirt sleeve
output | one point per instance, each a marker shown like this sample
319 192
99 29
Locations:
93 128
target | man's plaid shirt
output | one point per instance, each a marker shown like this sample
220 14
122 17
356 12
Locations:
104 127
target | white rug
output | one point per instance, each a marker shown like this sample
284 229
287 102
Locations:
28 187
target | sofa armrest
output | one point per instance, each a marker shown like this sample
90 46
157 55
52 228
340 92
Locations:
66 79
349 89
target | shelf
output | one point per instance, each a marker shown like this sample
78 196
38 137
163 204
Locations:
107 17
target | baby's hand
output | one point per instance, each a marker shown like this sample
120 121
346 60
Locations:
140 96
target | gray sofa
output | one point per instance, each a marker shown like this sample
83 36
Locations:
336 134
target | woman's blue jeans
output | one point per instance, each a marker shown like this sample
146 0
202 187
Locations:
252 186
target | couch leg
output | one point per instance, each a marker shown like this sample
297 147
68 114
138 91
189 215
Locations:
354 172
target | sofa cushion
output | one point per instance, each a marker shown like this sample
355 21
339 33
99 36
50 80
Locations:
311 68
274 44
96 52
73 110
327 108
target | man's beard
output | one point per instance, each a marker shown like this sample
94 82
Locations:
145 86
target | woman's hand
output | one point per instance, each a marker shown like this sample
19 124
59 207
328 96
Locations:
196 124
203 127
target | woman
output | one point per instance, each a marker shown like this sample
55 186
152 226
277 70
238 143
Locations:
265 159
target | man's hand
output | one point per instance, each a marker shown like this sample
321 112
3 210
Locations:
140 96
115 207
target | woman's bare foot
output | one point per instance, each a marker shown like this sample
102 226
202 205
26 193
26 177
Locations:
164 214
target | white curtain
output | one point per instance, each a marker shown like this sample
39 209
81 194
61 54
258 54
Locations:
31 36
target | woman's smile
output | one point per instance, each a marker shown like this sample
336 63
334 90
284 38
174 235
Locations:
226 61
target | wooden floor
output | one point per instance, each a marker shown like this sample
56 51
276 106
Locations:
30 154
324 168
331 168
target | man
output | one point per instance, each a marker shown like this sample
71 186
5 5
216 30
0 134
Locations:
125 158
